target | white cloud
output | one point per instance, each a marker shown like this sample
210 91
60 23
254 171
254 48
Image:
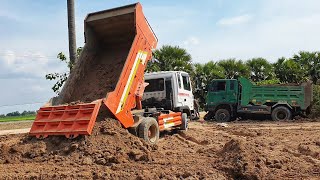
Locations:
9 58
242 19
34 64
191 41
275 37
32 93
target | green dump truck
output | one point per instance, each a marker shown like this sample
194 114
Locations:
228 99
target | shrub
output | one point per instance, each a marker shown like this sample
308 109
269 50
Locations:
315 111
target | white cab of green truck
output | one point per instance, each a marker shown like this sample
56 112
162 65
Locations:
170 90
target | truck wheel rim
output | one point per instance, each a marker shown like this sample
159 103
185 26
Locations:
281 115
222 116
152 133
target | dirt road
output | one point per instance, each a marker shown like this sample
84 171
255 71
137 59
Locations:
15 125
242 150
14 131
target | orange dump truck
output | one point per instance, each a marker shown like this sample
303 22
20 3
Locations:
110 73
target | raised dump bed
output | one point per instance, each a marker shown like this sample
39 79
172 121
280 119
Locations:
118 44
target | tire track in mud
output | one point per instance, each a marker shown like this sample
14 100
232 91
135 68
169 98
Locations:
184 137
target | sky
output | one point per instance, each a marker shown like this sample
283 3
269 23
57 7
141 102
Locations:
33 32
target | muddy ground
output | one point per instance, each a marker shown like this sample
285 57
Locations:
242 150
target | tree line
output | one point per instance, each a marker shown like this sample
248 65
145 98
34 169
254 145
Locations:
17 113
301 67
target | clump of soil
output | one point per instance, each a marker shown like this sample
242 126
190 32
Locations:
234 159
109 144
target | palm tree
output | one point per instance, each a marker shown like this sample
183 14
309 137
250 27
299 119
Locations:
171 58
202 76
260 69
310 63
289 71
234 68
72 32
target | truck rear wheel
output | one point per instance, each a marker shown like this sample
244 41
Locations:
222 115
149 130
281 113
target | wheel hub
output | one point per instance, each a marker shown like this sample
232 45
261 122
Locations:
152 133
281 115
222 116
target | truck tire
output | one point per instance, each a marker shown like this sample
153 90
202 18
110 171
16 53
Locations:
281 113
222 115
185 122
149 130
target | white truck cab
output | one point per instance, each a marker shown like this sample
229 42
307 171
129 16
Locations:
170 90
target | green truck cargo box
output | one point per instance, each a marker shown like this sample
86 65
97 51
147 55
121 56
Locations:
228 99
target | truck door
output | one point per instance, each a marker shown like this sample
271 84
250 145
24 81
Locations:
232 91
217 93
185 96
169 93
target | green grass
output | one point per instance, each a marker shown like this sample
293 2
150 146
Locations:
18 118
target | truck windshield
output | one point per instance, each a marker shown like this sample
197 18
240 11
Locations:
218 86
155 85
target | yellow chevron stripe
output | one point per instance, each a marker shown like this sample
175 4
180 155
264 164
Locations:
141 58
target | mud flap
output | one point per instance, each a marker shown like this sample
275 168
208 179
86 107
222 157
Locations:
68 120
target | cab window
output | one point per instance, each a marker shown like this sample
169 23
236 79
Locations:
155 85
232 84
186 82
179 81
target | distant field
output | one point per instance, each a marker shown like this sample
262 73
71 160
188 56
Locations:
17 118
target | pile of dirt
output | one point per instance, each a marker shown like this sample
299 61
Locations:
110 144
276 152
96 73
206 151
234 158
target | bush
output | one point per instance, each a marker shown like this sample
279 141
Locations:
315 111
16 113
268 82
26 113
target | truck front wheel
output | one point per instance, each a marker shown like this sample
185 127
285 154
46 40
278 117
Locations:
222 115
281 113
149 130
184 122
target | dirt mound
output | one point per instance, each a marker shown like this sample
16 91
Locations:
274 153
96 73
110 144
234 159
205 151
